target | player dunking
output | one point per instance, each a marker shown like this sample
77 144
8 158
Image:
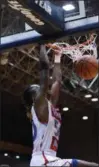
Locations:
46 121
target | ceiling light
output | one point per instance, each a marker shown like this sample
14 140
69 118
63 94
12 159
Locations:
88 96
65 109
85 117
17 157
94 99
51 77
68 7
6 154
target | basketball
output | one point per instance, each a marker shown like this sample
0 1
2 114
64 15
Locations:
86 67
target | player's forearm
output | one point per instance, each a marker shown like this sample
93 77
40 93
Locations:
44 81
57 77
44 70
44 61
57 74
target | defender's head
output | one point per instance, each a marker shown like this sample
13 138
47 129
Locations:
30 94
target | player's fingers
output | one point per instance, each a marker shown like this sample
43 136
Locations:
53 46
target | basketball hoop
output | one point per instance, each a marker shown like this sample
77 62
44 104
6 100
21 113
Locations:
77 50
81 55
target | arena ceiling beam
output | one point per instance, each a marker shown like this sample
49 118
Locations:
82 25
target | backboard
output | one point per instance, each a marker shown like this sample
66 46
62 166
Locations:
38 18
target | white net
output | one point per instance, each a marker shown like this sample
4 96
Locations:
77 50
72 49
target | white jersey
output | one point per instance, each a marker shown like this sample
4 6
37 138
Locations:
46 136
45 140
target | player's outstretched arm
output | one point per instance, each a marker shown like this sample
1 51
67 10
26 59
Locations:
41 102
57 77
